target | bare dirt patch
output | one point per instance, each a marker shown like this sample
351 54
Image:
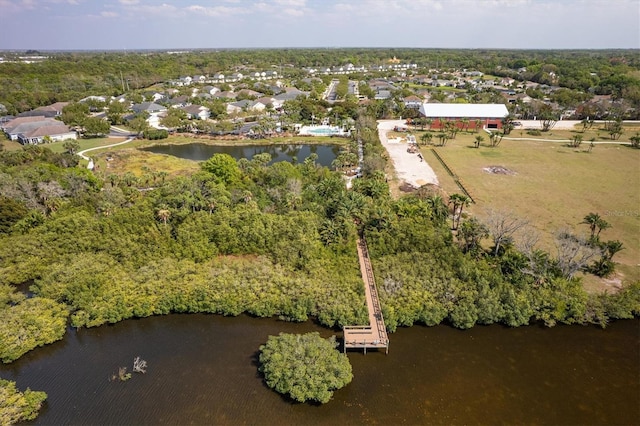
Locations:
499 170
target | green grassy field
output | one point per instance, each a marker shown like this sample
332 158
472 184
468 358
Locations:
58 146
554 186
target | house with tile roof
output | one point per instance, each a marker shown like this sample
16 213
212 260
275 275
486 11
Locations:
36 129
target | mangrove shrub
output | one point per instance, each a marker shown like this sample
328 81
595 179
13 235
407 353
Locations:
305 367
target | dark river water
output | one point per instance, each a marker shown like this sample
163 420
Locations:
202 370
290 152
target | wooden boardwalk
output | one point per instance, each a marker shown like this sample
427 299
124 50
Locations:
374 335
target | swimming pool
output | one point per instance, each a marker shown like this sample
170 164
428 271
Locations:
322 131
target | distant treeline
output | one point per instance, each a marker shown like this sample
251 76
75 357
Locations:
73 75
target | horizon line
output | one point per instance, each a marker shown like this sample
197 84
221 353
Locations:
164 49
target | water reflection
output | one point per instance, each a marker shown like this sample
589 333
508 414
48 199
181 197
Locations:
289 152
202 370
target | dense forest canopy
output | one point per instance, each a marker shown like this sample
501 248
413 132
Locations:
67 76
245 236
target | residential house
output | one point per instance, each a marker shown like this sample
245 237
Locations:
268 101
225 95
50 111
196 112
248 93
122 99
421 79
383 94
412 102
154 110
203 96
179 101
269 75
200 79
290 94
8 127
95 99
156 96
36 129
380 84
210 90
245 105
149 107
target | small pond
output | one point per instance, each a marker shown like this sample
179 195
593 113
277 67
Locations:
288 152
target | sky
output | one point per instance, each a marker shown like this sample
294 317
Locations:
196 24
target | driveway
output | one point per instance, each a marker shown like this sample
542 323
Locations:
409 167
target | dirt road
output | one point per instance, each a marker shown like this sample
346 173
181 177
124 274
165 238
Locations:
409 168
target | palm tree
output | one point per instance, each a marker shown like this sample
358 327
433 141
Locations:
612 247
465 124
596 223
426 138
113 179
507 124
129 179
478 141
429 122
576 141
439 210
602 224
459 201
163 214
591 219
495 139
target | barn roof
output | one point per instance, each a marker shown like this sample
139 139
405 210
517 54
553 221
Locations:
464 110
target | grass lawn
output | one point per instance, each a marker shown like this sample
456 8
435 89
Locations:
554 186
129 159
58 146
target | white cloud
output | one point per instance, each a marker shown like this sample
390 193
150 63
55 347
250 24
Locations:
28 4
292 12
108 14
291 3
216 11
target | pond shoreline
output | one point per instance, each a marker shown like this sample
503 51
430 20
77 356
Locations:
187 138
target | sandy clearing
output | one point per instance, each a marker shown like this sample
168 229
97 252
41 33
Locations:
408 166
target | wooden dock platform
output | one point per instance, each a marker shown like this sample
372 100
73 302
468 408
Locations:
374 335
